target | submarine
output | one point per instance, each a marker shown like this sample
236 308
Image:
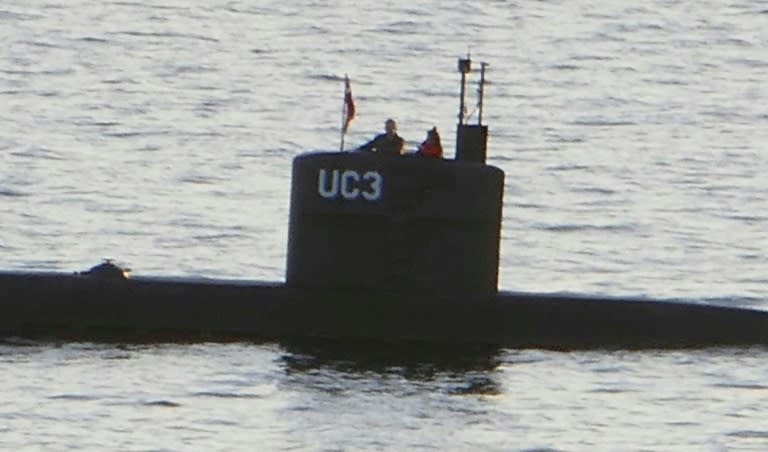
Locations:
380 248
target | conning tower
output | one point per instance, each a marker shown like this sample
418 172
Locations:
398 223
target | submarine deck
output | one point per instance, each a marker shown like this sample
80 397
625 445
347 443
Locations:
74 306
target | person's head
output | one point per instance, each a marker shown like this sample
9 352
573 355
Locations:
390 126
433 136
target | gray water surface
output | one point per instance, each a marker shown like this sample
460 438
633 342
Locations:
161 133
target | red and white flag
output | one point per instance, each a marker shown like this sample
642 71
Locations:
349 105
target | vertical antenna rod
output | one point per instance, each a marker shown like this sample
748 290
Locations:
464 67
480 94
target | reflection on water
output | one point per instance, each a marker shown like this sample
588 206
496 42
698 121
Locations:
455 370
361 395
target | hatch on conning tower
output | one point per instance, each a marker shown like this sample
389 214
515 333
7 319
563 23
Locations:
471 139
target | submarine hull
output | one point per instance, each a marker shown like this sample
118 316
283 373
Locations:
77 307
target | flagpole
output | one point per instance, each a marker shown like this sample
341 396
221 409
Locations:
344 113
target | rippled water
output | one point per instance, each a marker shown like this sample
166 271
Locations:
161 134
247 396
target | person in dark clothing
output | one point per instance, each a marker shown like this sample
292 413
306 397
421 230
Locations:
387 143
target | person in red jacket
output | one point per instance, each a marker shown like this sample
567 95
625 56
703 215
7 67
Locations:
431 147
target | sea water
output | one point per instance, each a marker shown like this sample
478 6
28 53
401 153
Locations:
160 134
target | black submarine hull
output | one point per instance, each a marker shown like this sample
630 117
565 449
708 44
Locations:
78 307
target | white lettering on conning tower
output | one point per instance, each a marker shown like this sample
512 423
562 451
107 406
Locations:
349 184
322 184
349 189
